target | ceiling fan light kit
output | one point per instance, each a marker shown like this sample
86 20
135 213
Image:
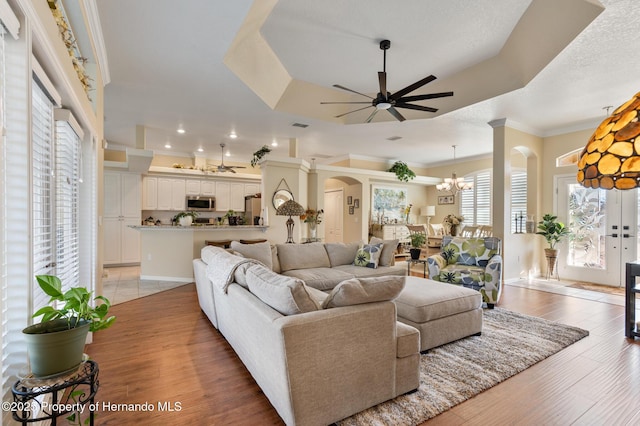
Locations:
390 101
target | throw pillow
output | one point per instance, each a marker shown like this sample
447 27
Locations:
260 252
341 253
368 255
356 291
287 295
389 247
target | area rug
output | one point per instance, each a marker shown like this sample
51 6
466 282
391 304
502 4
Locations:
510 343
619 291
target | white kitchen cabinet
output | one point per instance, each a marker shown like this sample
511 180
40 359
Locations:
193 187
208 188
237 197
122 201
251 188
149 193
171 194
223 196
178 194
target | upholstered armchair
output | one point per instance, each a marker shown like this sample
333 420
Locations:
470 262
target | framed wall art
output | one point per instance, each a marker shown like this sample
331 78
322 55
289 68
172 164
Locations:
446 199
356 203
349 200
351 210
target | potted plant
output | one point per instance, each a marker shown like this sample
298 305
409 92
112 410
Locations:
257 156
185 218
402 171
56 344
417 241
553 232
231 217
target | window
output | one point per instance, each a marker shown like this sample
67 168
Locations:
475 203
518 200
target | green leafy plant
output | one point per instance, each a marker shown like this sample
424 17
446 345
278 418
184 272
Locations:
402 171
257 156
185 214
552 230
77 309
230 213
418 239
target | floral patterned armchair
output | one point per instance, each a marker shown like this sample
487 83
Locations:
470 262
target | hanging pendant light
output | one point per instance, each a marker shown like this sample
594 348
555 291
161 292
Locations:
454 184
611 158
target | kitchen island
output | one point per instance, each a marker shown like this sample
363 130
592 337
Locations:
167 252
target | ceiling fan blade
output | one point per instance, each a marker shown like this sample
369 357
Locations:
416 107
410 88
375 111
352 91
231 170
355 110
238 167
382 79
424 97
335 103
396 114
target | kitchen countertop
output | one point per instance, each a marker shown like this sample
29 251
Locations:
199 227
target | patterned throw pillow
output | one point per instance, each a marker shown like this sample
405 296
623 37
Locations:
368 255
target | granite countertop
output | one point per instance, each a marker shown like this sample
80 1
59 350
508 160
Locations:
199 227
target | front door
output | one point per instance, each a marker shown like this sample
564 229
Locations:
604 232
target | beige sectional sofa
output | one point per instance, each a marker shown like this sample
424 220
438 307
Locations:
315 366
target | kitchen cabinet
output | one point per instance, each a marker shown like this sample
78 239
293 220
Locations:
149 193
193 187
391 232
229 196
251 188
171 194
122 207
208 188
237 197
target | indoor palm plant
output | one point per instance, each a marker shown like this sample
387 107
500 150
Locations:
417 241
56 344
553 232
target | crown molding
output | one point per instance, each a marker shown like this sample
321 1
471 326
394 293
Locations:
95 29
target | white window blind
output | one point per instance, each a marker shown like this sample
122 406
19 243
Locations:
518 198
67 161
475 204
42 189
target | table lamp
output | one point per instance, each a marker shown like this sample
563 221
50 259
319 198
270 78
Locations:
290 208
429 212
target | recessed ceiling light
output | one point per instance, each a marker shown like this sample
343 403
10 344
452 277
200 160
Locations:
274 143
201 149
180 130
227 154
233 135
167 145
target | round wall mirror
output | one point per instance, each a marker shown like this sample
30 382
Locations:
281 196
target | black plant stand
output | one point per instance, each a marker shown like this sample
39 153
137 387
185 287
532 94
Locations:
77 388
633 271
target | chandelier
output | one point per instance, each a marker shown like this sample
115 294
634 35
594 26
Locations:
454 183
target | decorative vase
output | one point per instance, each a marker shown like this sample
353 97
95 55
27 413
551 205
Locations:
313 230
54 349
415 253
552 259
185 221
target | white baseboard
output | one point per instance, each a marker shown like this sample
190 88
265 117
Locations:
174 279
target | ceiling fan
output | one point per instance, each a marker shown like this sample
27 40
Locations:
221 168
390 101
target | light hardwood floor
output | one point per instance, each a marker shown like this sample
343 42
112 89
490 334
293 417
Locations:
162 349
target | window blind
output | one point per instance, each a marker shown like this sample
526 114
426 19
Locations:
518 198
475 203
43 167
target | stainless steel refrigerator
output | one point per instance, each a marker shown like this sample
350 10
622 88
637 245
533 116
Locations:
252 209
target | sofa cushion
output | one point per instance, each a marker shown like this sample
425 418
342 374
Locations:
302 256
389 248
287 295
259 251
356 291
408 340
359 272
341 253
368 255
320 278
274 260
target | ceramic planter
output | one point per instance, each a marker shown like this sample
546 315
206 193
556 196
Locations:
415 253
53 349
185 221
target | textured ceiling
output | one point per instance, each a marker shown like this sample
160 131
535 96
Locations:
167 69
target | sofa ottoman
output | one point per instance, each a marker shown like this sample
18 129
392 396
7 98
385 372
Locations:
441 312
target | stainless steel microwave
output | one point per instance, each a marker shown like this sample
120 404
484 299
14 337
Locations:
201 203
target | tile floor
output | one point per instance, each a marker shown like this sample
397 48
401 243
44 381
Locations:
123 284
